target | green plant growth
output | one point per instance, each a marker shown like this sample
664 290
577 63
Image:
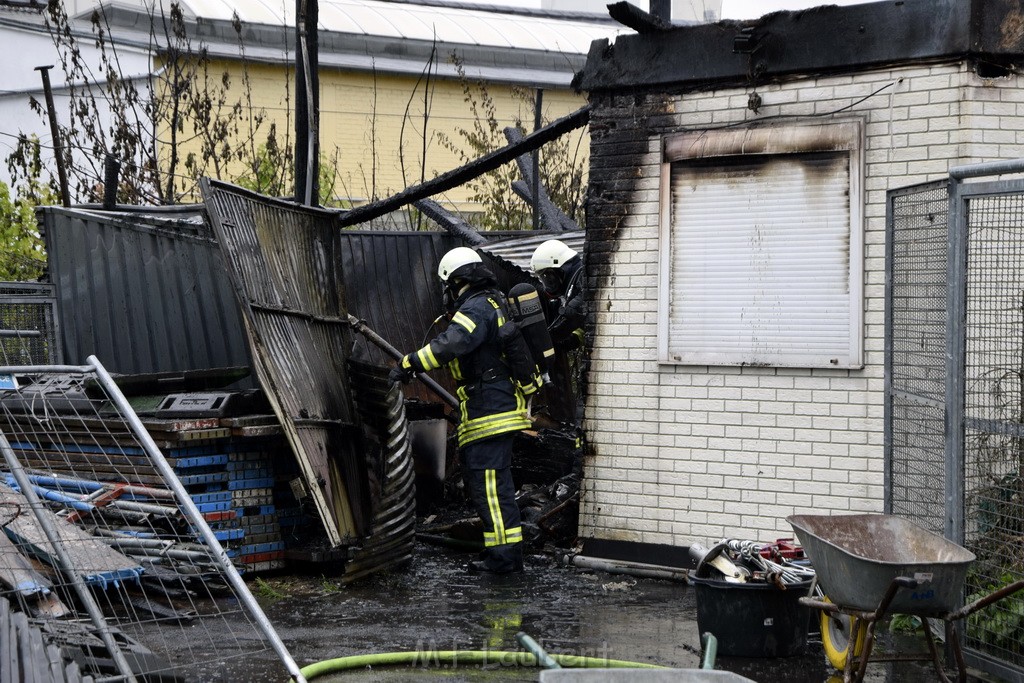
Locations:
999 625
995 502
562 165
272 172
266 591
22 258
329 586
905 623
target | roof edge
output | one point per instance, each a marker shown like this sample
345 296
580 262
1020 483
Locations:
827 39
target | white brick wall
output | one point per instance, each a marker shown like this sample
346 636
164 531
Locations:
683 454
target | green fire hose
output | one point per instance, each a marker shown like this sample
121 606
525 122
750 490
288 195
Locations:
479 657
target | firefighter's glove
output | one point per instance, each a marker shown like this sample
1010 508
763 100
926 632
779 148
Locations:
400 374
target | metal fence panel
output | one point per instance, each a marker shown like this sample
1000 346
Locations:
29 333
915 358
954 399
993 468
116 547
147 291
284 262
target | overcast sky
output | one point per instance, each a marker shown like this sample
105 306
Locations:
731 9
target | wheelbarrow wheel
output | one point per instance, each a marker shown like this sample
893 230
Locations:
835 637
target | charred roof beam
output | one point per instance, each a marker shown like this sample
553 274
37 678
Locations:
552 218
635 18
450 222
463 174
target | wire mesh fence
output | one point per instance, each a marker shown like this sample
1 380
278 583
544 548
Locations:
105 546
28 324
994 418
916 354
955 389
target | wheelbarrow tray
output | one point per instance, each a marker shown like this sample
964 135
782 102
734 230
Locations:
856 558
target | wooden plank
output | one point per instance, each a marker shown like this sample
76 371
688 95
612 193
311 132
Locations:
464 174
257 430
93 560
56 662
249 421
180 424
8 668
20 624
36 654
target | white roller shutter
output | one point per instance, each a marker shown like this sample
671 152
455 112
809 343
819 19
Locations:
759 261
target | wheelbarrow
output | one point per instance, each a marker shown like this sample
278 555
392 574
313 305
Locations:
873 566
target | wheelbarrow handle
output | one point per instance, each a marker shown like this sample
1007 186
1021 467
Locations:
985 601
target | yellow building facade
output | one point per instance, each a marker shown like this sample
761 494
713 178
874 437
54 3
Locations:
395 109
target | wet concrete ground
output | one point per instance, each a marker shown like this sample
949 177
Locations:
435 604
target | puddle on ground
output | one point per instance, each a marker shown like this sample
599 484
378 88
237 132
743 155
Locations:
436 605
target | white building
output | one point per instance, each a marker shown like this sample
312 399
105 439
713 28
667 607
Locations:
736 250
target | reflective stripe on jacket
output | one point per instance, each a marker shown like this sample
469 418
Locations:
490 403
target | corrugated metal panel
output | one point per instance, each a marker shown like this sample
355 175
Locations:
518 251
393 527
760 261
143 292
285 264
392 282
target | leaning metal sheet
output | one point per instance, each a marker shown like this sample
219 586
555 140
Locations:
283 260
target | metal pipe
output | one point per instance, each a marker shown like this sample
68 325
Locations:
67 569
111 171
538 107
535 649
20 334
359 326
148 508
133 542
196 518
652 571
58 148
83 485
48 369
987 168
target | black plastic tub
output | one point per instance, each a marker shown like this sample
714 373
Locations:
753 619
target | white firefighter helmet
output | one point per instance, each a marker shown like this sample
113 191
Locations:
455 259
551 254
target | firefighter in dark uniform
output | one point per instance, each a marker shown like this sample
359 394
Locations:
492 405
560 271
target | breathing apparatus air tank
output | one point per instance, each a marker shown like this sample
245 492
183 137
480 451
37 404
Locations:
525 309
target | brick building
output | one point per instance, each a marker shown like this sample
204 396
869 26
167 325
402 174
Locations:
736 251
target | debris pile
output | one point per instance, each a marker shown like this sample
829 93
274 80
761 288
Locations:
84 466
547 469
781 563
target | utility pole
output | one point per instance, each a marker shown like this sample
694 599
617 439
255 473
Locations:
307 103
537 120
58 148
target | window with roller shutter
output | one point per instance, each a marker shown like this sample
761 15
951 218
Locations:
762 248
